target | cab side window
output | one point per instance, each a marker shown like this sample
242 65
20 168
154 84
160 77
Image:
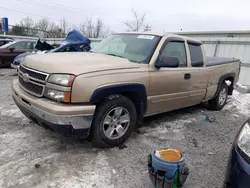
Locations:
176 49
19 45
196 55
30 46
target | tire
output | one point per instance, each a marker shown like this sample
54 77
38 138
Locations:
109 110
220 100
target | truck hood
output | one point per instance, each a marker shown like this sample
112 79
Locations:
76 62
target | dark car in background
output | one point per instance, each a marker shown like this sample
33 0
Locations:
5 40
238 169
12 49
75 47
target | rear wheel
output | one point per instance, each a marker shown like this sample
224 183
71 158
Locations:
114 121
220 100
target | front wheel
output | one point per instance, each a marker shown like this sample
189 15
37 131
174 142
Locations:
220 100
114 121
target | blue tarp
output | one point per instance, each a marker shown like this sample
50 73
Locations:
76 37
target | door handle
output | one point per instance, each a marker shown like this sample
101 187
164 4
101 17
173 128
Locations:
187 76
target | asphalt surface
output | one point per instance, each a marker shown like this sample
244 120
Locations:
31 156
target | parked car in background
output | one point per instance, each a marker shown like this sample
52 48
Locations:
126 77
5 40
238 168
9 51
70 47
74 42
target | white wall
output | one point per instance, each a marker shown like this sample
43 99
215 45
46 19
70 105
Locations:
232 48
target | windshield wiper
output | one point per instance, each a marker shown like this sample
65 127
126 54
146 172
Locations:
122 57
116 55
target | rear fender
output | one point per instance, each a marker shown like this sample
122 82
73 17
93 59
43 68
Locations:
227 76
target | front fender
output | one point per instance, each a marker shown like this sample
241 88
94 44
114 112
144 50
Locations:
103 92
135 92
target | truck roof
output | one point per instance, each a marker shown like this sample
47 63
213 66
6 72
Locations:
160 34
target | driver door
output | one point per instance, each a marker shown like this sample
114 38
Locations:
169 87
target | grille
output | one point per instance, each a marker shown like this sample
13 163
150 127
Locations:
34 74
33 88
32 81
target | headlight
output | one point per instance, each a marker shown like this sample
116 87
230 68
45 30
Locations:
60 96
61 79
244 139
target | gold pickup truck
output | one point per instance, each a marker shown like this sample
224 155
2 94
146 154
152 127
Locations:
104 93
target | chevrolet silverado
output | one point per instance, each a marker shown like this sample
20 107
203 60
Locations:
105 92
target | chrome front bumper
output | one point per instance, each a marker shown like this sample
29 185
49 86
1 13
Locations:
79 117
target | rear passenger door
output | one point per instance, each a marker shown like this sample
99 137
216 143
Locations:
198 72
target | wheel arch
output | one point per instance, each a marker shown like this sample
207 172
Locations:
223 78
135 92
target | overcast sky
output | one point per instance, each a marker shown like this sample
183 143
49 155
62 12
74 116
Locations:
162 15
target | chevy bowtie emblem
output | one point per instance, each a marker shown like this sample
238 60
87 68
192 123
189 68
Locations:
25 77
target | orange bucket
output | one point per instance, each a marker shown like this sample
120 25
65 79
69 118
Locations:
171 155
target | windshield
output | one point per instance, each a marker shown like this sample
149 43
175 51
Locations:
8 44
134 47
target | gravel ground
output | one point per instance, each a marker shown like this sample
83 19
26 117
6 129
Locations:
31 156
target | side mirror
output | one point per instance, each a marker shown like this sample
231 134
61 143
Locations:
167 61
11 49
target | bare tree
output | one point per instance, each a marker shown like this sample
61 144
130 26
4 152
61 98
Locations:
43 25
106 32
137 22
54 30
94 29
82 27
89 28
72 26
98 28
48 28
28 24
64 27
45 28
147 28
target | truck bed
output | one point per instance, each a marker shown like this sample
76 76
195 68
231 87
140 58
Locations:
213 61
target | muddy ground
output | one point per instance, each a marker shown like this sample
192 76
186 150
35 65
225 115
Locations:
31 156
